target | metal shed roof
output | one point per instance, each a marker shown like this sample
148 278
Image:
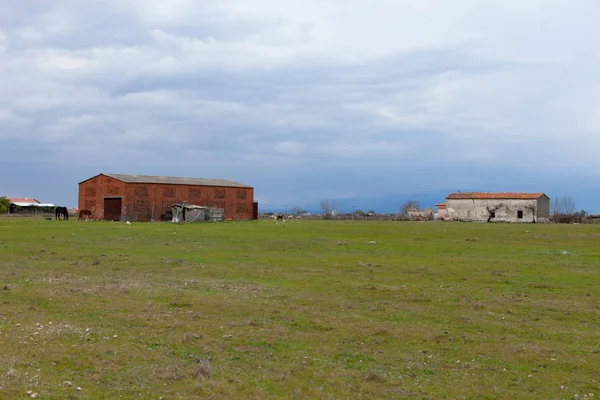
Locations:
16 200
172 180
31 204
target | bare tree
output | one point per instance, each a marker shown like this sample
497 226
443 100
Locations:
327 208
568 205
297 211
563 208
409 205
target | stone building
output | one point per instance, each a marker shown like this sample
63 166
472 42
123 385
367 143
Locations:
498 207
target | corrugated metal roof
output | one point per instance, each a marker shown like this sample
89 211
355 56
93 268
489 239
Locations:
30 204
16 200
172 180
489 196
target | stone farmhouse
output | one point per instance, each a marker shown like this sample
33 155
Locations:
498 207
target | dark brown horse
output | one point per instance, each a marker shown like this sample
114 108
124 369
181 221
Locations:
61 211
85 214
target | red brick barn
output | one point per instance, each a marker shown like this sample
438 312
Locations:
147 198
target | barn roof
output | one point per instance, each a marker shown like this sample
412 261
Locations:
491 196
172 180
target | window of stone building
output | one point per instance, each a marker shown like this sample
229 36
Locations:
519 214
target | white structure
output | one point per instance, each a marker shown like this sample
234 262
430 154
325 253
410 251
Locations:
193 213
415 213
498 207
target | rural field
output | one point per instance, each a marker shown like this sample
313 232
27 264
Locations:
298 310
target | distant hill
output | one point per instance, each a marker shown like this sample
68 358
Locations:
387 204
391 203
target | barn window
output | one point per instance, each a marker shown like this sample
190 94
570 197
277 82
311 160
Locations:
113 190
169 191
519 214
219 194
141 191
90 192
492 214
194 193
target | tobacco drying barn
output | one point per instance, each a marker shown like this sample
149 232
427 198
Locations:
150 198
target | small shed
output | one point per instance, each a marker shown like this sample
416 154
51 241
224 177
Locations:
442 211
27 205
195 213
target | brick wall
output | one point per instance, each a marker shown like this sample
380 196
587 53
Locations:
93 191
147 201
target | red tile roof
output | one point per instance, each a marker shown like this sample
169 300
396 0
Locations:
504 195
22 200
438 205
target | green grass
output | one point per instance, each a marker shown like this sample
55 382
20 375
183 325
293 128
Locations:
302 309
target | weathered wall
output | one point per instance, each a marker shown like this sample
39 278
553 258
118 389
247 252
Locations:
543 211
93 191
442 212
149 201
506 210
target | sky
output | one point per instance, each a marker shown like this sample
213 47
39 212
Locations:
305 100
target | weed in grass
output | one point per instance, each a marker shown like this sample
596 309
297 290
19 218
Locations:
203 370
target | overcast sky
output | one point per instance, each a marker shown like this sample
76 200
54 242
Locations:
303 99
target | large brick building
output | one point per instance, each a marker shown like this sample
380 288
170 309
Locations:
147 198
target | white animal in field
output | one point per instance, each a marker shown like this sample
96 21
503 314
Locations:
290 216
299 217
273 216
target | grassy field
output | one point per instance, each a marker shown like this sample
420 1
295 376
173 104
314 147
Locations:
302 309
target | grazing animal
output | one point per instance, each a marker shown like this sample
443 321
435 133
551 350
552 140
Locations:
290 216
61 211
273 216
299 217
280 217
85 214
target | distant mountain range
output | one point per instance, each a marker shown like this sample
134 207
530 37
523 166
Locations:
386 204
391 203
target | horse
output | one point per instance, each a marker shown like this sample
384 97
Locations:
280 217
85 214
61 211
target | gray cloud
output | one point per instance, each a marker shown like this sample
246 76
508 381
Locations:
308 101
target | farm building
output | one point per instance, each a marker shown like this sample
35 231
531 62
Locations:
442 211
26 205
150 198
414 213
498 207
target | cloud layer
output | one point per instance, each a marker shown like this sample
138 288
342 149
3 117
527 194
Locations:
302 99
